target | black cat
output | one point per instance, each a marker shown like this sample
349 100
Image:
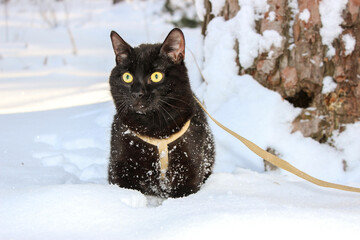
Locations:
161 143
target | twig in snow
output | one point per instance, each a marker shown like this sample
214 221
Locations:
6 12
50 18
71 36
197 65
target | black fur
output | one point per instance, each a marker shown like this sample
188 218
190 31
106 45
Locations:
157 110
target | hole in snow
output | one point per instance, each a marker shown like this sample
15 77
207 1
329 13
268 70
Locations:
301 99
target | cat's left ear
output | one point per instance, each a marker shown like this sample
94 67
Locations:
174 46
121 48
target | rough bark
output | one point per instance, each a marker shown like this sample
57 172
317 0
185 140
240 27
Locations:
208 16
297 68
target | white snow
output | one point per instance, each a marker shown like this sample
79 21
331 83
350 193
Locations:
269 38
349 43
348 143
200 9
55 122
217 6
330 12
242 28
305 15
272 16
329 85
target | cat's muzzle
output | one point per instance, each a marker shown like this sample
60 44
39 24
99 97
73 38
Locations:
139 107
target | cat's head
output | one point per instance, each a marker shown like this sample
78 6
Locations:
150 85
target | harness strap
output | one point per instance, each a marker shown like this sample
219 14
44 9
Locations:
278 161
162 146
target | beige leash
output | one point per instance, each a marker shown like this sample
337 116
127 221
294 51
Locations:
278 161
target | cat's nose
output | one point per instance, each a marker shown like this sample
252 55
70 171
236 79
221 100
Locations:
137 95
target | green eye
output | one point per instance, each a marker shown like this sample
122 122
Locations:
127 77
156 77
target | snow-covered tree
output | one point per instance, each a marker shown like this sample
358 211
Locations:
306 50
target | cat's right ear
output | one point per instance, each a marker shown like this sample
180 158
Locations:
121 48
174 46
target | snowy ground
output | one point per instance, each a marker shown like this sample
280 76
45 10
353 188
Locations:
55 116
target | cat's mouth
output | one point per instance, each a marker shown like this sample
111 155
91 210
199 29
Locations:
140 108
141 112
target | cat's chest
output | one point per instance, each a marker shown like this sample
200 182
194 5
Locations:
146 150
158 155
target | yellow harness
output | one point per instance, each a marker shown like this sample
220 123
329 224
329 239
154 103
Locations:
162 146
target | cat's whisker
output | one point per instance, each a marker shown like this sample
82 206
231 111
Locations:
172 105
169 115
164 117
177 109
160 122
121 109
118 95
119 106
153 117
177 99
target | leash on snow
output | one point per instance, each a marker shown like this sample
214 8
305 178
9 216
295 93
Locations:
278 161
272 158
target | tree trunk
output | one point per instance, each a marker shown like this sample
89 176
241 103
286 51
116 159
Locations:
303 67
117 1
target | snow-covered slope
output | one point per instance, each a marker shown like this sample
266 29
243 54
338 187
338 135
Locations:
55 116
